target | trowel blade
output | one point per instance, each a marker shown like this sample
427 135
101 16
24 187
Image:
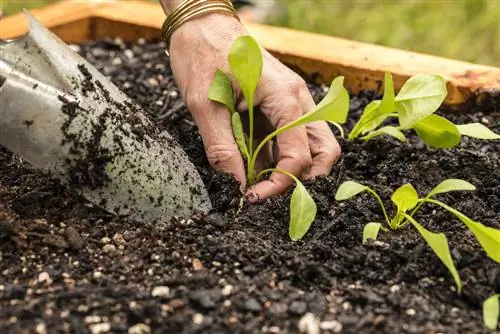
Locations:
63 116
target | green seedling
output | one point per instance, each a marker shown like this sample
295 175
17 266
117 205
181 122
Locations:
245 62
405 199
491 311
414 106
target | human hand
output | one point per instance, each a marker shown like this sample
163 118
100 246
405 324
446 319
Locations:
200 47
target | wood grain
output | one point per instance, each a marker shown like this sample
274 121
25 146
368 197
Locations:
313 55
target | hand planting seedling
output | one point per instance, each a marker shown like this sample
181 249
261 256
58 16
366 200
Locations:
245 62
414 106
406 198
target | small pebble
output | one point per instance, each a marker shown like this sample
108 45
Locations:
44 277
128 53
41 328
253 305
309 324
332 326
198 319
109 249
116 61
103 327
90 319
105 240
160 291
97 274
118 239
298 308
139 329
197 265
411 312
227 290
394 288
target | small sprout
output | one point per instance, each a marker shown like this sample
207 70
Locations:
414 106
245 62
406 198
491 311
370 231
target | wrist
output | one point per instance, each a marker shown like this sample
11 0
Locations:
214 29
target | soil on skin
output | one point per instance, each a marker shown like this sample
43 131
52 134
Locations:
66 266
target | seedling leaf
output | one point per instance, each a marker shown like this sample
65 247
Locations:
451 185
405 198
333 108
302 212
420 96
221 90
349 189
437 132
370 231
388 101
477 130
491 311
488 237
245 61
439 245
239 134
370 119
386 130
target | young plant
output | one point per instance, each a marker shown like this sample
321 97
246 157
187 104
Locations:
245 62
406 198
491 311
414 106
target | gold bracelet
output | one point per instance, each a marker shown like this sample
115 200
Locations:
190 9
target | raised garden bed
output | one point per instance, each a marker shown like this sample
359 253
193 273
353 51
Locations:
67 266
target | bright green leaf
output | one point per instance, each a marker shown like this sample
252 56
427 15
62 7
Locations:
370 231
333 108
477 130
386 130
439 245
491 311
221 90
368 120
239 134
437 132
420 96
388 101
302 212
451 185
405 198
245 61
488 237
349 189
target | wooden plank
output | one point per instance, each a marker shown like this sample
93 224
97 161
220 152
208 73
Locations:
61 15
362 64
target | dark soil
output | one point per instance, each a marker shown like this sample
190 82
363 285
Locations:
67 266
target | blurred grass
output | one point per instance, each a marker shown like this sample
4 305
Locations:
462 29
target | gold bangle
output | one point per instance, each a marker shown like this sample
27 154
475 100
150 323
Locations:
190 9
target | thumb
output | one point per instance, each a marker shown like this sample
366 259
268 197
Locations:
214 124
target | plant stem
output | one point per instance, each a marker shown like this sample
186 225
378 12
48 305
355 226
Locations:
250 173
277 170
254 154
381 205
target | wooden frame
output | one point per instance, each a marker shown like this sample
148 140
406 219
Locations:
316 55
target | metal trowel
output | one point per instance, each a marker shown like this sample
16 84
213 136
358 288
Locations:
61 115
